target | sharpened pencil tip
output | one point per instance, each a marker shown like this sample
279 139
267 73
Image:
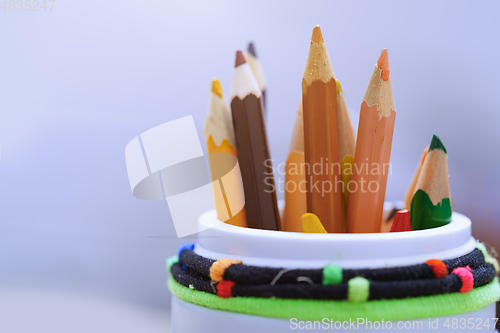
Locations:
217 87
240 59
251 49
383 64
317 37
437 144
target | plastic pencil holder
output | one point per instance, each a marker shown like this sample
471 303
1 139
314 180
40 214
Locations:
301 250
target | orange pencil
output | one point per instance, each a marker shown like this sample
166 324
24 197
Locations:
219 133
373 152
347 148
321 137
295 178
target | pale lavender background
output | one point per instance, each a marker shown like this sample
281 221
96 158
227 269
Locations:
78 83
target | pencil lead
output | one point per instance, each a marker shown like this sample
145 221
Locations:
251 49
217 87
240 59
317 37
437 144
383 64
339 86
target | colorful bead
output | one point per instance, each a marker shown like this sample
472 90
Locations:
439 268
465 274
332 274
185 246
217 269
359 289
225 289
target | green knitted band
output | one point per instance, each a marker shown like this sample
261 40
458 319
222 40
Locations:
170 261
359 289
304 309
487 257
332 274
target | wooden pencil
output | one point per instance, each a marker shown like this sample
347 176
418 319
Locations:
219 134
373 152
311 224
321 139
251 144
431 204
258 73
347 147
413 183
295 178
401 221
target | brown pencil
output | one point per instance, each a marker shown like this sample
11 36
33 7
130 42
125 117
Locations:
251 144
321 138
373 152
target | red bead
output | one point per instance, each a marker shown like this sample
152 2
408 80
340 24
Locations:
225 289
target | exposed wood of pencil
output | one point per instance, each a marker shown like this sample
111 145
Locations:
321 139
412 187
347 147
251 143
434 177
295 190
219 133
258 73
373 152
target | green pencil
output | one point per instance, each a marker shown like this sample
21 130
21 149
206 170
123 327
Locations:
431 203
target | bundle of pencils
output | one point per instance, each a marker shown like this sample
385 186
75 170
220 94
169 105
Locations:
335 180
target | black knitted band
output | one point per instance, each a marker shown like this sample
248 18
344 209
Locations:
254 275
377 290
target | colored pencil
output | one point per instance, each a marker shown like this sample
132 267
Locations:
373 152
347 148
295 178
388 219
311 224
321 138
413 183
251 144
258 73
219 134
431 204
401 221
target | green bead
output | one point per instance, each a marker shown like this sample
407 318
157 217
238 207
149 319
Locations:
359 289
332 274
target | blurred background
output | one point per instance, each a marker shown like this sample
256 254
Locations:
78 252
